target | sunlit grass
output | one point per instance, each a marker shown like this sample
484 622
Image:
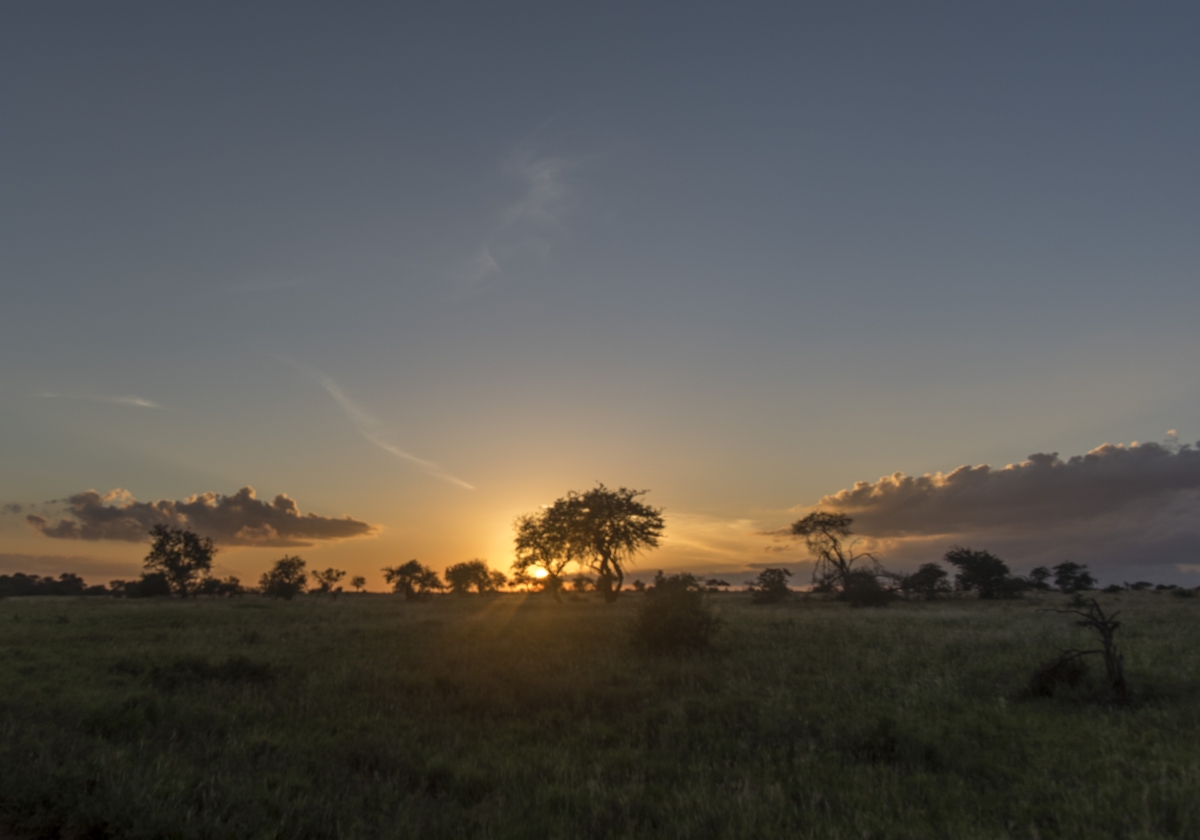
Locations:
514 716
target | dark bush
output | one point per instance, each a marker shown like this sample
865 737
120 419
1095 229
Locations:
285 579
930 581
983 572
771 587
1068 670
151 585
675 614
863 589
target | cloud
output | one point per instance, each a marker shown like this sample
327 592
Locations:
372 429
240 519
13 507
1115 506
526 224
136 402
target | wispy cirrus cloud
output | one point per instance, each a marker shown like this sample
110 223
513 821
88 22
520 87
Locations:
135 402
526 224
376 431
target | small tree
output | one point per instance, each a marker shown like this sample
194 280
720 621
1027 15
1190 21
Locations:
1073 577
771 586
602 529
327 580
928 581
181 556
415 581
982 572
358 582
675 614
1039 578
861 588
1045 678
825 533
285 579
462 577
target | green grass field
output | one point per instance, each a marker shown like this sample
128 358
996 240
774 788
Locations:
514 716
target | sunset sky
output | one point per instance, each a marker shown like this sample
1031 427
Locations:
430 266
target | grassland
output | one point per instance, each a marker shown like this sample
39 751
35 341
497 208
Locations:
513 717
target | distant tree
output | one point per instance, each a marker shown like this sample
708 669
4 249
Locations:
473 574
151 585
982 572
716 585
929 581
68 583
1039 578
825 534
675 614
229 586
639 586
584 583
358 582
544 550
327 580
861 588
1139 586
1073 577
415 581
285 579
182 556
771 586
601 529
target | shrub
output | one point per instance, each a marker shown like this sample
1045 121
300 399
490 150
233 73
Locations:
983 572
930 581
863 589
675 614
285 579
771 587
1073 577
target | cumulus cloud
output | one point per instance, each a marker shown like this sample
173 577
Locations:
1117 505
240 519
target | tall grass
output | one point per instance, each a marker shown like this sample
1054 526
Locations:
514 716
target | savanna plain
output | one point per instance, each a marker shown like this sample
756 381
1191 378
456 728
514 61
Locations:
513 716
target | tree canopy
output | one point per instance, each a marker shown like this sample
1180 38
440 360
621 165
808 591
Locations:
600 529
473 574
413 579
825 533
181 556
285 579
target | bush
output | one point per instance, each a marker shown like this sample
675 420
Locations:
863 589
675 614
771 587
286 579
930 581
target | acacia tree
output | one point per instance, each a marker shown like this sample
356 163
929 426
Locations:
825 533
461 577
543 550
416 581
327 580
181 556
601 529
285 579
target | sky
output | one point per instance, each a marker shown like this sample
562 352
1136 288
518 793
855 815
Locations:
408 271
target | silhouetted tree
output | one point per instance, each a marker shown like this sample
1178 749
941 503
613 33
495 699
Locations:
982 572
462 577
326 581
182 556
675 614
861 588
771 586
285 579
1039 578
358 582
415 581
543 543
930 581
68 583
1073 577
826 533
1105 626
602 529
228 587
151 585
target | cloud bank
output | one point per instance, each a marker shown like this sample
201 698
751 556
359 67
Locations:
1115 506
240 519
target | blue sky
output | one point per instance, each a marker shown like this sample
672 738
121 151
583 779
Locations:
430 267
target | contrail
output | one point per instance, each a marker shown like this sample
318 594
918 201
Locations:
369 426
